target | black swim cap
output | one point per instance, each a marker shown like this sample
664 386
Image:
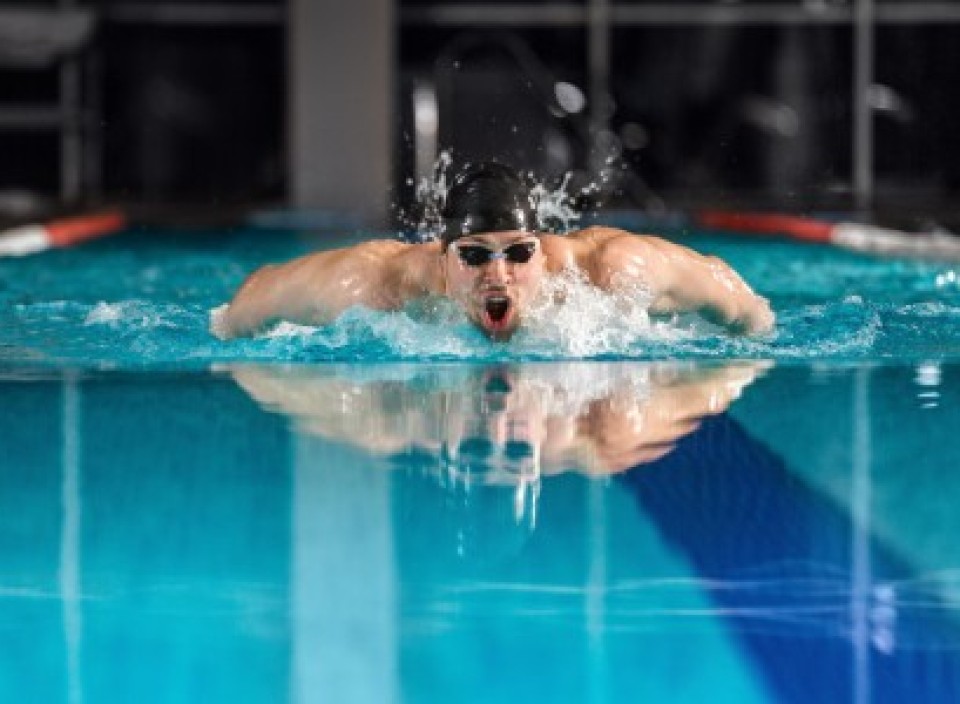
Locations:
486 197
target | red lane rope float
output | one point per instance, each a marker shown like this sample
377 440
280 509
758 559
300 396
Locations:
793 226
64 232
855 236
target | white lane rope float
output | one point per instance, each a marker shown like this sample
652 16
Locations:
64 232
855 236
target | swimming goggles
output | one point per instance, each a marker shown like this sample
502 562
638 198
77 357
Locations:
478 255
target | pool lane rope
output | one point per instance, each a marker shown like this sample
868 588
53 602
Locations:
64 232
860 237
855 236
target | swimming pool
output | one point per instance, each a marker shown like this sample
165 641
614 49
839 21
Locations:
142 301
360 513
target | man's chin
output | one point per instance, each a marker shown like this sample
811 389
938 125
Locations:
500 335
499 331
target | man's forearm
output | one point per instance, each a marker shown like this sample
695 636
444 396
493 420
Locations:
236 319
258 301
709 285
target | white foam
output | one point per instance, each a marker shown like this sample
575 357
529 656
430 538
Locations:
217 325
573 318
928 309
948 279
569 319
133 314
286 329
103 314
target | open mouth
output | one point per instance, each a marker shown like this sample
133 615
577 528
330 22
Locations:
497 308
497 312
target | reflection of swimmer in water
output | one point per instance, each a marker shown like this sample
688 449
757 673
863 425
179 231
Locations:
485 422
491 260
486 437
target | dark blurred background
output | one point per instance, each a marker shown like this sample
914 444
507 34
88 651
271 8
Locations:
344 106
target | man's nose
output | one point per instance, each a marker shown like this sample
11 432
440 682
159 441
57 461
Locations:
497 269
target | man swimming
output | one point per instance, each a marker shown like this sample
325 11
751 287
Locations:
491 260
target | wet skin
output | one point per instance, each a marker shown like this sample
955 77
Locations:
385 275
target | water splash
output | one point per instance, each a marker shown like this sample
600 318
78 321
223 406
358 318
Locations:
948 279
555 206
148 306
569 319
133 315
576 319
431 197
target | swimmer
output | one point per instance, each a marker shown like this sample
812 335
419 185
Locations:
491 260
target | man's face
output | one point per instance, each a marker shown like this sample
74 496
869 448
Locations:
494 276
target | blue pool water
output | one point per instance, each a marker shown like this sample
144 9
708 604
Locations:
681 516
143 301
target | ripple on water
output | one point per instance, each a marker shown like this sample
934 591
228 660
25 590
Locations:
154 311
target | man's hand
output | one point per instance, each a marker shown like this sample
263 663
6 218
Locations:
758 318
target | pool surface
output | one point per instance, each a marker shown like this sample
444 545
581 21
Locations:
357 513
142 300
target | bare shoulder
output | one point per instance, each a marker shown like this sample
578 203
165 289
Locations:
393 249
399 270
602 252
371 265
371 250
371 255
598 240
317 287
560 252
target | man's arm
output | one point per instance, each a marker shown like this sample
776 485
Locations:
315 289
683 280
